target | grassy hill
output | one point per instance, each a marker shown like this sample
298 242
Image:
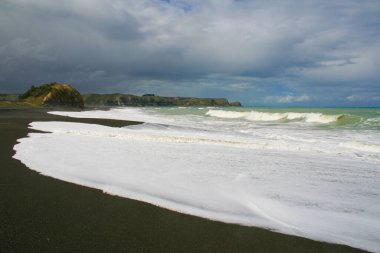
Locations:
52 94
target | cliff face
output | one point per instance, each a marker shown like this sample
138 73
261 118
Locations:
150 100
56 94
53 94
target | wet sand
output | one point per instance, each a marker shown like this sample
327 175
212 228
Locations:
42 214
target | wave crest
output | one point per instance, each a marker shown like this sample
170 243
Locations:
268 116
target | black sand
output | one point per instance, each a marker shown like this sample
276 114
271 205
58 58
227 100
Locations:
42 214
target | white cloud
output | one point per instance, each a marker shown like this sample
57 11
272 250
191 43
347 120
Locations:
353 98
286 99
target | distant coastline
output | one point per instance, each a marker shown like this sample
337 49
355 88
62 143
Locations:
56 94
151 100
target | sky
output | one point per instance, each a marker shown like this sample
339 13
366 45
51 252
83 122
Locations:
259 52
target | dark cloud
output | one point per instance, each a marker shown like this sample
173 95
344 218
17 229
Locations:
261 52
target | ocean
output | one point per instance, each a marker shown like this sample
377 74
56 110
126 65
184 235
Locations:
311 172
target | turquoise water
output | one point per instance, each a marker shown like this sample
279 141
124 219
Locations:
334 118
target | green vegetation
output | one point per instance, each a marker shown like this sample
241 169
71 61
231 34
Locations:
37 91
52 94
9 97
151 100
235 104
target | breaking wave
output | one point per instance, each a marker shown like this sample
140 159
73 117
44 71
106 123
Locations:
268 116
372 122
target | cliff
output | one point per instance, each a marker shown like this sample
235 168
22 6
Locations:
151 100
53 94
56 94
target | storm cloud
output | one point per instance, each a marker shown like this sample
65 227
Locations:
259 52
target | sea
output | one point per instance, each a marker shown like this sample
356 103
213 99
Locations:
310 172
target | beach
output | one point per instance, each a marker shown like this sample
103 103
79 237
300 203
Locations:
43 214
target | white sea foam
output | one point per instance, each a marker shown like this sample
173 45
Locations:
226 114
310 183
361 146
268 116
372 122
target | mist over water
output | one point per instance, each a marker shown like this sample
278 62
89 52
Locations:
307 172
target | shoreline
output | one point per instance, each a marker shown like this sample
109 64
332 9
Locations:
41 213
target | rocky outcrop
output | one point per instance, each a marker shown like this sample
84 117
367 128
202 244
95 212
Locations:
53 94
